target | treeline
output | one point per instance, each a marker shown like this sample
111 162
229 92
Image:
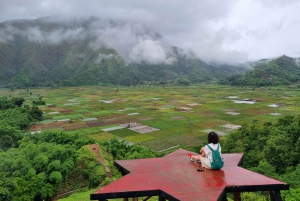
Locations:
121 150
270 148
281 71
14 119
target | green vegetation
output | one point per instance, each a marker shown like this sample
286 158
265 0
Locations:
271 149
281 71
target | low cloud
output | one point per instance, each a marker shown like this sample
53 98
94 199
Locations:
133 41
152 52
219 31
56 37
105 56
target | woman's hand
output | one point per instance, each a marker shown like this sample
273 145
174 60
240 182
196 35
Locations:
202 152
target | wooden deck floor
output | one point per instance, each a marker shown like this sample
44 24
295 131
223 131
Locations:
175 177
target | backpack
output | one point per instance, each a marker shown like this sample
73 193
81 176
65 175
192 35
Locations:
217 162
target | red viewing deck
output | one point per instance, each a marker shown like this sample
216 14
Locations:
175 177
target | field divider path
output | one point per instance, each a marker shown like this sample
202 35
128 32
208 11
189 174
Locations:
95 149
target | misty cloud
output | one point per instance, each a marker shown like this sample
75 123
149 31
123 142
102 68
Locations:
55 37
105 56
151 52
221 31
6 34
134 41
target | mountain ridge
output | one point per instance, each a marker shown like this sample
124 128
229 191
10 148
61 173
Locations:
47 52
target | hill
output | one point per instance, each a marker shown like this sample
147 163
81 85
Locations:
283 70
50 52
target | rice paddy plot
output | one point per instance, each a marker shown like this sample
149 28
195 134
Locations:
140 138
194 104
275 114
185 140
233 113
74 126
53 112
123 132
244 101
71 104
217 131
140 128
62 120
273 105
134 113
108 101
113 128
159 145
103 136
231 126
232 97
89 119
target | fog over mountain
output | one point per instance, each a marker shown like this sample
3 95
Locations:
133 41
227 31
51 51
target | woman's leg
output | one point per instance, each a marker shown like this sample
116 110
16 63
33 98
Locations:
203 163
196 158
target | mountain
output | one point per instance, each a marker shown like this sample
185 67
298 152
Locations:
283 70
50 51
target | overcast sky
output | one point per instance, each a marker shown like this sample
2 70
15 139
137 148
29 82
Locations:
223 30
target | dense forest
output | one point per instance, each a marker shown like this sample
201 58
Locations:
38 166
270 148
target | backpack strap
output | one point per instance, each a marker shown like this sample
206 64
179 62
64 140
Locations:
212 148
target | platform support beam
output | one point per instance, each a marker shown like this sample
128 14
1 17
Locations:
275 196
237 196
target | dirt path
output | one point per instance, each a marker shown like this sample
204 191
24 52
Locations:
95 148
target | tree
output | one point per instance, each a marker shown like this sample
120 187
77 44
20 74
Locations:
6 142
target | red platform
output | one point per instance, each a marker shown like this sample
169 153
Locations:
175 177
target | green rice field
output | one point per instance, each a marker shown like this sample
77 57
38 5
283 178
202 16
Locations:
160 118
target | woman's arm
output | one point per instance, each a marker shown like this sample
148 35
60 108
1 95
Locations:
202 152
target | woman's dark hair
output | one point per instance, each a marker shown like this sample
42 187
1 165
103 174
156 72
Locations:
213 137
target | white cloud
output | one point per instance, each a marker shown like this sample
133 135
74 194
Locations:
35 34
225 31
105 56
150 51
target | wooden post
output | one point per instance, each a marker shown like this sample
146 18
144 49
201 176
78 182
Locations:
224 198
275 196
125 199
237 196
135 199
160 198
